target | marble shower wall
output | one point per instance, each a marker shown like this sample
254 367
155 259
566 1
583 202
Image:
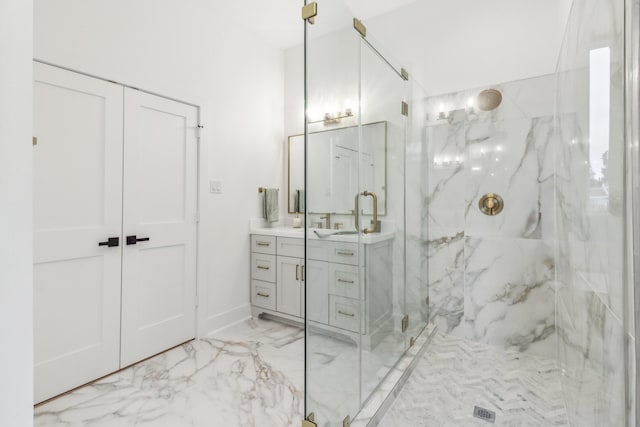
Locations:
591 309
491 278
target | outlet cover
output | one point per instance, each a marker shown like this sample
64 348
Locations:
215 187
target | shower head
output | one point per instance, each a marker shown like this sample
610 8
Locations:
489 99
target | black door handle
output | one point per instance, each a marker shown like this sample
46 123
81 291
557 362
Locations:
132 240
111 242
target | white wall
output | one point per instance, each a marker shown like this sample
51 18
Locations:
454 45
16 313
199 54
461 44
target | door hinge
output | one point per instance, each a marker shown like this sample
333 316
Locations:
346 422
34 140
426 300
360 27
310 421
309 12
199 131
405 323
404 73
404 109
197 217
412 341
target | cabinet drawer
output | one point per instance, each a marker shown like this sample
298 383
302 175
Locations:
263 267
263 294
263 244
290 247
344 313
343 280
344 253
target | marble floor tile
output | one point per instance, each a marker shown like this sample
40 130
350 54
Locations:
251 374
454 375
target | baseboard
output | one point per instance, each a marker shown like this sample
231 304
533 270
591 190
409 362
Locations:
225 319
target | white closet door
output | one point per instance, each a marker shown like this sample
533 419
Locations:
77 196
159 274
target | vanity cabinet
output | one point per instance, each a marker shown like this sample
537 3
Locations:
358 287
277 276
348 286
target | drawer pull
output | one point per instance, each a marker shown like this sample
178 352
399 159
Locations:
260 294
263 243
345 281
345 253
344 313
261 267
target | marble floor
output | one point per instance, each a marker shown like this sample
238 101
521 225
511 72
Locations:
454 375
251 374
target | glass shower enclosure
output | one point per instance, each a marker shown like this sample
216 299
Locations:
364 307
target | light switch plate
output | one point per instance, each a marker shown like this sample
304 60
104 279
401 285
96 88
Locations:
215 187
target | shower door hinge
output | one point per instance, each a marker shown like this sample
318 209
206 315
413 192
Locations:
405 323
309 11
405 109
346 422
310 421
404 73
359 26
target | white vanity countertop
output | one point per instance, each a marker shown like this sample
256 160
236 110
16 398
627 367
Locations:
280 231
283 231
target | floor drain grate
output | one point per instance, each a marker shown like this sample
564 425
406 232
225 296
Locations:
484 414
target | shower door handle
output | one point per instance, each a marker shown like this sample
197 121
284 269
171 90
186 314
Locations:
357 211
375 212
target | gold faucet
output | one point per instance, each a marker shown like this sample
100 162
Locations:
327 219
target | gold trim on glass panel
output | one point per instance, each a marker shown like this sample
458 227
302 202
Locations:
309 11
360 27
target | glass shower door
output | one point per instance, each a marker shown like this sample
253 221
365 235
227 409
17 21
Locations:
333 299
355 215
381 216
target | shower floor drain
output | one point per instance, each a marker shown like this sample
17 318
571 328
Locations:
484 414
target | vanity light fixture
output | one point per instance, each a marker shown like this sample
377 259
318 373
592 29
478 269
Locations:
332 119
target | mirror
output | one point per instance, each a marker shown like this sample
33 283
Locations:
333 157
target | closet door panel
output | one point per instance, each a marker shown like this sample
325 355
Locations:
77 185
159 274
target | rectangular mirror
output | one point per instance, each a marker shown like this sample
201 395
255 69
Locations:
338 151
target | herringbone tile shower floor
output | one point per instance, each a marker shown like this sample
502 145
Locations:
454 375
